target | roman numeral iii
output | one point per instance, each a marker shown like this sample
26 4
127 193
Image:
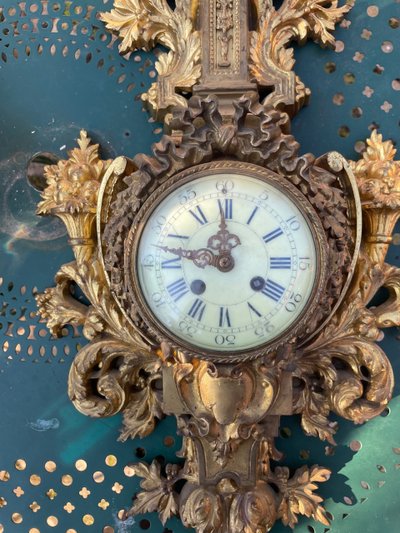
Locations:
280 262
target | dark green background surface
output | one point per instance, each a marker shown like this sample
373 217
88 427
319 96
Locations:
55 80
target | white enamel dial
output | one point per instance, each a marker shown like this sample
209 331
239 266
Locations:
226 262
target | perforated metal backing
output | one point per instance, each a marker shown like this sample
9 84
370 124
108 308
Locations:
60 71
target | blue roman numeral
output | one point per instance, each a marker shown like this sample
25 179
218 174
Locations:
172 263
224 317
255 311
177 289
280 262
197 309
273 290
273 235
252 215
226 208
199 216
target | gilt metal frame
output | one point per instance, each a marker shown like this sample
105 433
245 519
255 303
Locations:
227 410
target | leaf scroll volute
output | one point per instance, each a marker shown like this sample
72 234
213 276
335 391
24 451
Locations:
141 24
272 59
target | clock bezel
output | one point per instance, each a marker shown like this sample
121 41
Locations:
156 328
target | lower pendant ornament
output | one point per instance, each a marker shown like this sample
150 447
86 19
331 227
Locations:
229 483
228 408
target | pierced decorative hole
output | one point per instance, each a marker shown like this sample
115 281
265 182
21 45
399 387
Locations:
356 112
285 432
338 99
339 46
381 469
355 445
98 477
394 22
140 453
144 524
17 518
35 169
365 485
52 521
111 460
81 465
347 500
88 520
378 69
360 147
20 464
330 67
344 131
349 78
385 412
387 47
396 84
373 11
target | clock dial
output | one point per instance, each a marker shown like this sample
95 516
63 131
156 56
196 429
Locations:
226 262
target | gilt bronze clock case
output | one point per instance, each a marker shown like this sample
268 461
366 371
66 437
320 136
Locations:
188 177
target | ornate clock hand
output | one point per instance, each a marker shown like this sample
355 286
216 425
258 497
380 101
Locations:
223 241
200 258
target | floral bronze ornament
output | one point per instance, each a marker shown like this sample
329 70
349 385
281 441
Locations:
202 303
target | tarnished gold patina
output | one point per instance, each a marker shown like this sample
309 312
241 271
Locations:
228 409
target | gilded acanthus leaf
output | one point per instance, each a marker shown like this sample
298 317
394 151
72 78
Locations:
158 494
298 494
141 24
272 58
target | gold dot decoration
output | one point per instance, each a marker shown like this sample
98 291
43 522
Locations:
17 518
50 466
88 520
117 488
35 480
20 464
106 529
84 492
111 460
129 471
71 531
18 492
1 528
34 530
81 465
69 508
3 502
4 475
34 507
98 477
103 504
52 521
67 480
51 494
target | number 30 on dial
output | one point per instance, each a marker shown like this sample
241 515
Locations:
228 260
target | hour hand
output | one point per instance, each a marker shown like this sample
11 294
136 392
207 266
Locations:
200 258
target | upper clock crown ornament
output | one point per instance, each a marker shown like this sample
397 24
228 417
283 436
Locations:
225 47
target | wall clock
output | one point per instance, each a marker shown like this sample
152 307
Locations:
227 275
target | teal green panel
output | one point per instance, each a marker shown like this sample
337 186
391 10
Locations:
60 72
